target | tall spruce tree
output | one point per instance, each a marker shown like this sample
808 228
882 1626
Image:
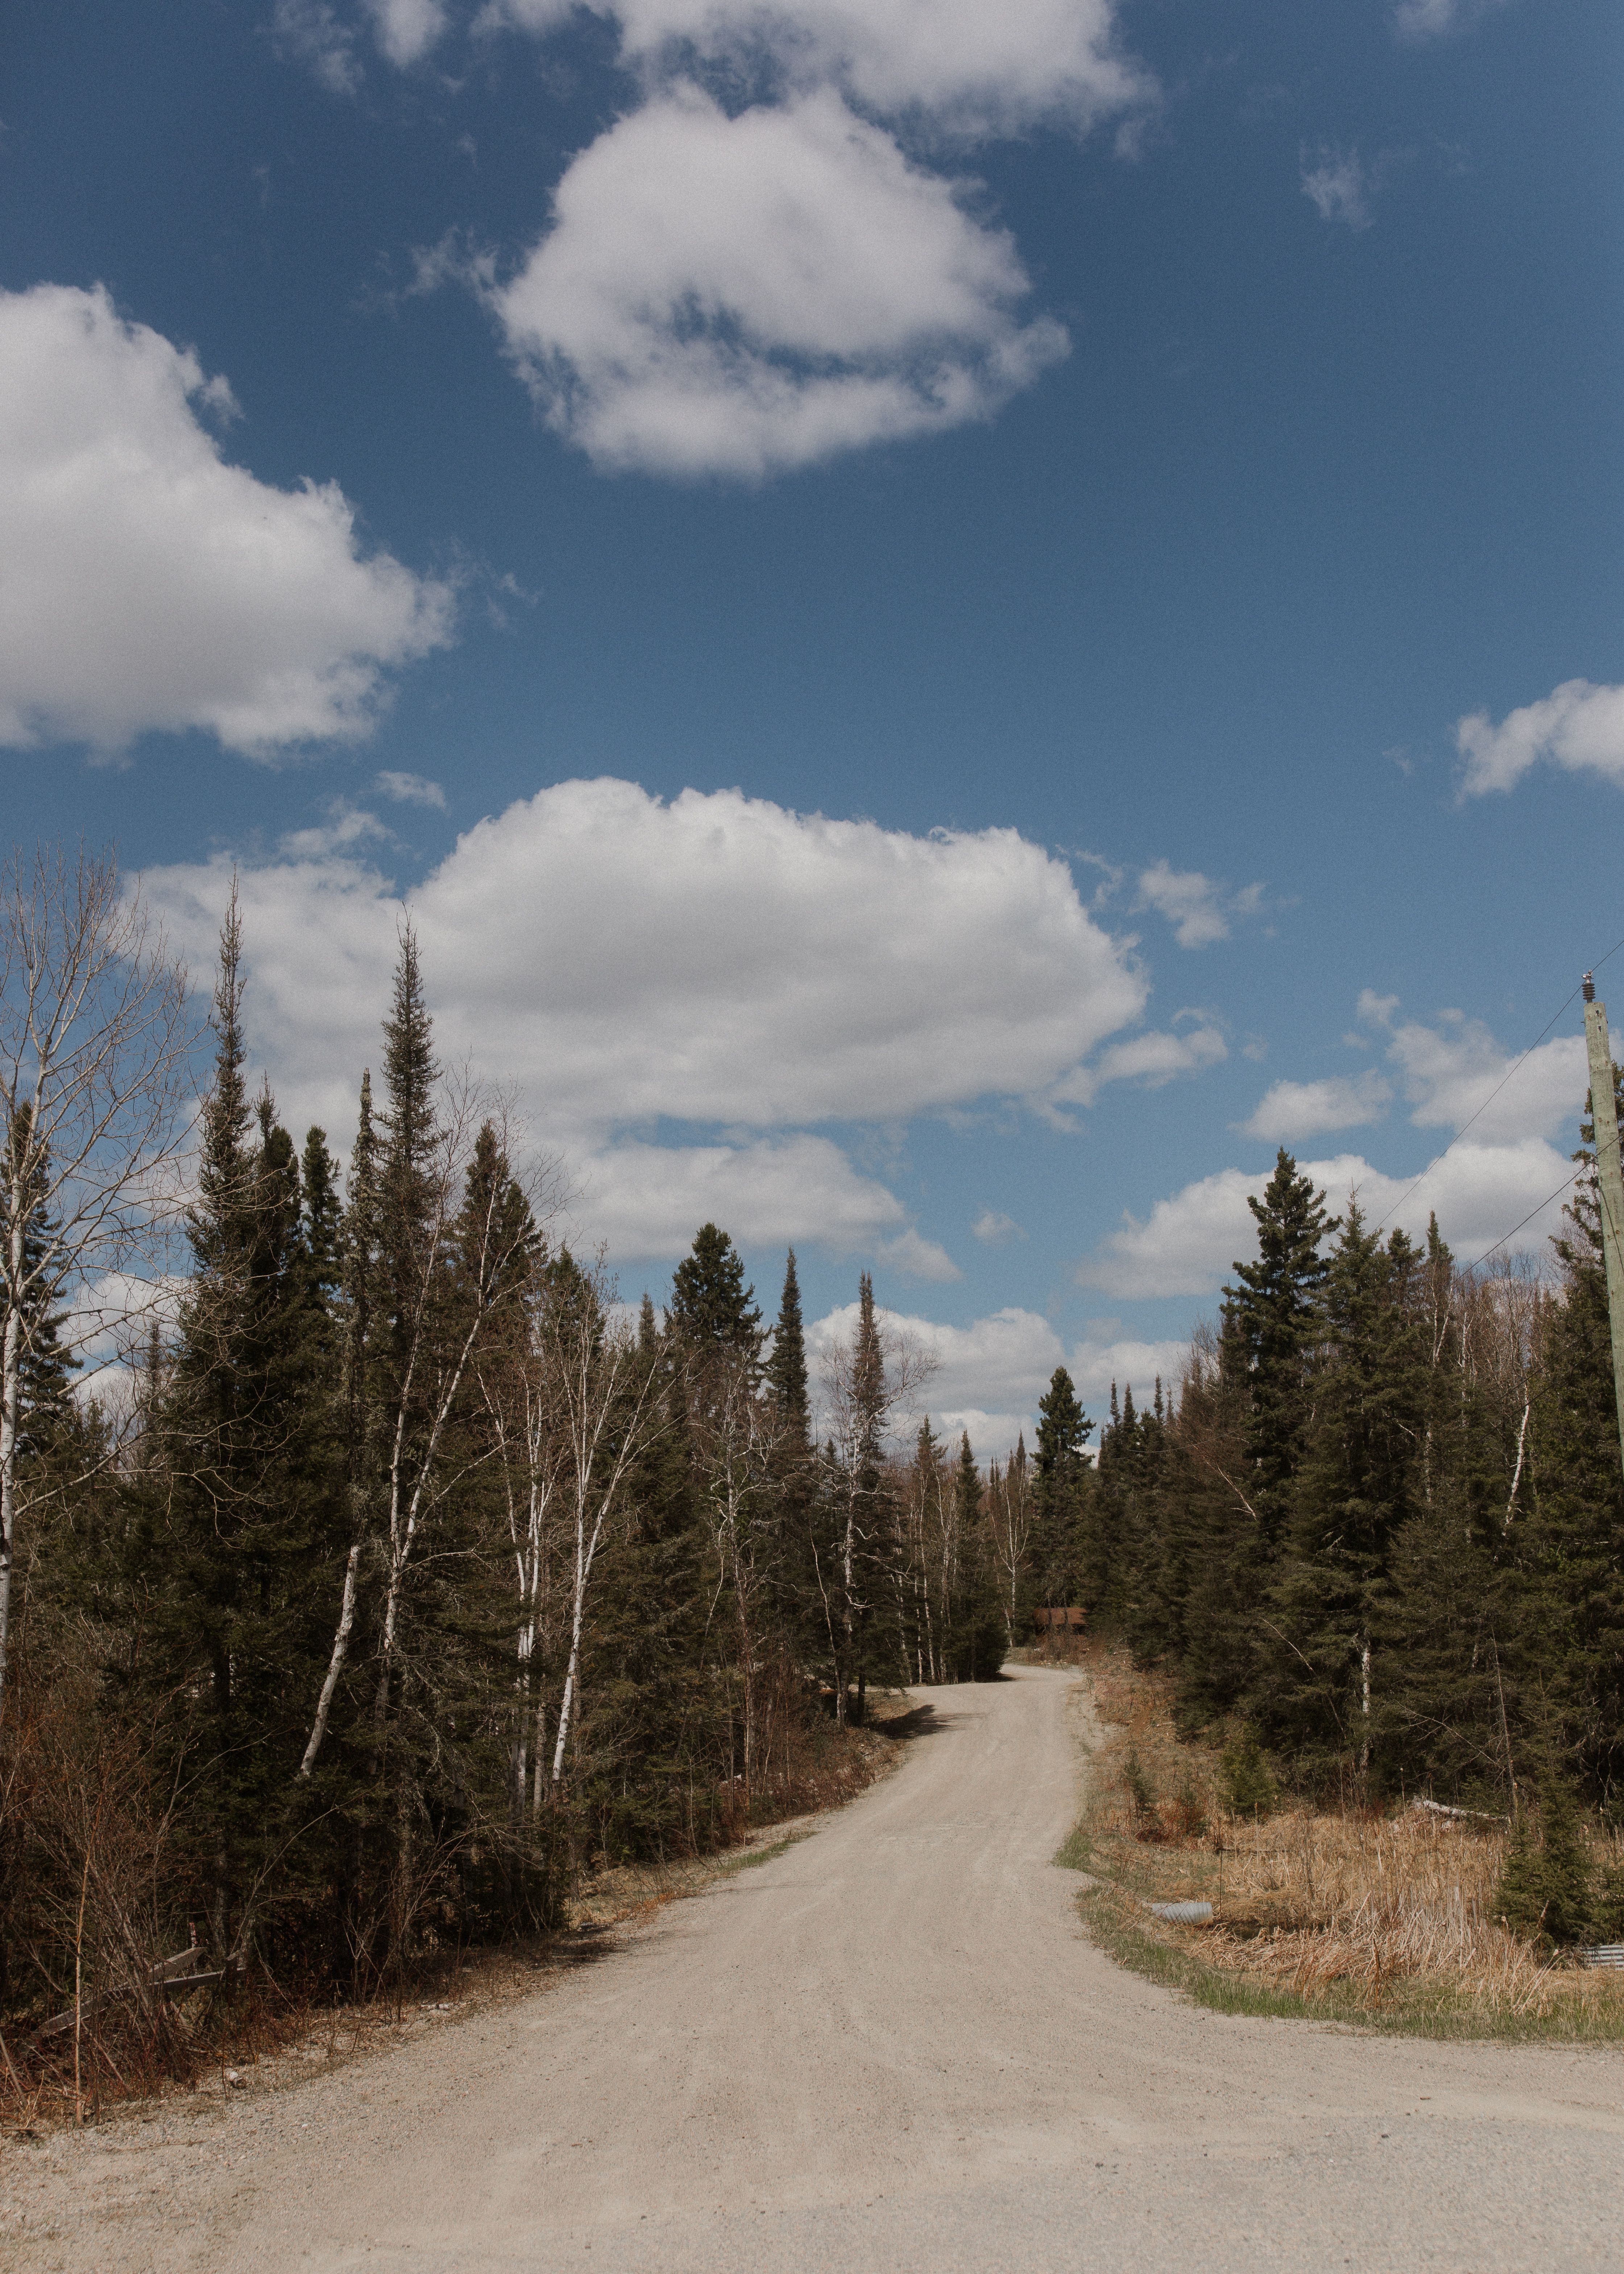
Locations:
1567 1547
1060 1484
787 1364
978 1638
710 1302
235 1523
1275 1312
1359 1482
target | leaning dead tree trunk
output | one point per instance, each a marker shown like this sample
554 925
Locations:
95 1051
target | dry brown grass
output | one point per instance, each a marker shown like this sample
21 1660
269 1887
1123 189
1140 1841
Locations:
1351 1912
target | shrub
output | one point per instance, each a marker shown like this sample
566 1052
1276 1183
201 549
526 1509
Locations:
1547 1893
1138 1785
1189 1811
1249 1784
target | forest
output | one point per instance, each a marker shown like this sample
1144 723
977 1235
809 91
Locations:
1375 1539
396 1572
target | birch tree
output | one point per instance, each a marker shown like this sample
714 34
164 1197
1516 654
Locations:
94 1063
607 1410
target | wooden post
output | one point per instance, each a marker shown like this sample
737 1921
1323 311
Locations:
1609 1181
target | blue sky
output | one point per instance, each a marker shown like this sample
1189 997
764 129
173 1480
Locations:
618 482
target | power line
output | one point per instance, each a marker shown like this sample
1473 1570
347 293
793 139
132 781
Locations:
1484 1107
1532 1213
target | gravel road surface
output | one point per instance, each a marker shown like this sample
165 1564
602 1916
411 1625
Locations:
890 2048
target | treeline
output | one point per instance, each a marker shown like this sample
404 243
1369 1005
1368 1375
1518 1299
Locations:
412 1573
1377 1534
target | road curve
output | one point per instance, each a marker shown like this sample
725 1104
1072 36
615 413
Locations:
892 2047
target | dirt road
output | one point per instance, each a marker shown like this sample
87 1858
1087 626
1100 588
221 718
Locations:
888 2048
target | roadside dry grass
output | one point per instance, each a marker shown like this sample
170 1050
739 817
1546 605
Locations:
1354 1916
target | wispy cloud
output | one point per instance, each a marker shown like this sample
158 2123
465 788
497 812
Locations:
1150 1060
1200 908
1438 20
410 789
1338 184
312 33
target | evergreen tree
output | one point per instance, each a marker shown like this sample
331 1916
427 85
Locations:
1567 1547
233 1526
1357 1484
710 1303
979 1637
1060 1481
787 1366
1276 1315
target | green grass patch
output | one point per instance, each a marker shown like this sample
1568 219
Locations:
1075 1852
731 1863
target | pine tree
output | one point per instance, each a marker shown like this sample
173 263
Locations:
710 1303
979 1637
1060 1482
1356 1484
1273 1312
1219 1529
787 1366
408 1195
235 1525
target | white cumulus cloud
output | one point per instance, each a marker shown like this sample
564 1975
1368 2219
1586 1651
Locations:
979 68
1189 1242
1456 1073
649 1200
144 583
742 295
1578 726
716 962
990 1375
1291 1110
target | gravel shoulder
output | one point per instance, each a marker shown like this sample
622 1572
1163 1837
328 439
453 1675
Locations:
890 2044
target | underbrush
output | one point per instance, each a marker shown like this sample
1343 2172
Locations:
1347 1915
123 2041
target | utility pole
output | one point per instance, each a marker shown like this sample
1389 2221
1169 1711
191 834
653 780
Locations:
1609 1181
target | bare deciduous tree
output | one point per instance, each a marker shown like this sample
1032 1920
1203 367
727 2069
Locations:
95 1077
1010 1514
